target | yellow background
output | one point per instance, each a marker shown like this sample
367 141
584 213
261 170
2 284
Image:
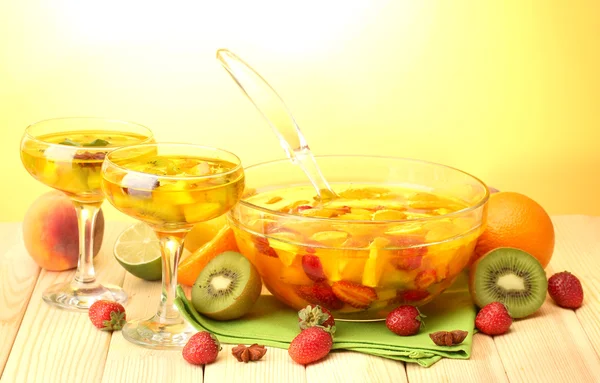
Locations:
506 90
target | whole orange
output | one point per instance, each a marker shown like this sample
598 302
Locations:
515 220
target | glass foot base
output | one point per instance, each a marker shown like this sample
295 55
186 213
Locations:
152 333
77 296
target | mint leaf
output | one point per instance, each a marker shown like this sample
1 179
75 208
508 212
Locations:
97 142
69 142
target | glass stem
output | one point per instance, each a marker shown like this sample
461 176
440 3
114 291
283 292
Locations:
171 244
86 217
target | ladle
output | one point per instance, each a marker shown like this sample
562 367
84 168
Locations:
274 110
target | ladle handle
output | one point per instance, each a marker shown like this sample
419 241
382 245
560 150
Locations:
277 115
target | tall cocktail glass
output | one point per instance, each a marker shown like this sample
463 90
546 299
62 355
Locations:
170 187
67 154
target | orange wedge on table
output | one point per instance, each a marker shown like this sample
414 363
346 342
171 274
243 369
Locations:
203 232
190 267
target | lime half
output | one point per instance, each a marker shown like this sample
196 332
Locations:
138 250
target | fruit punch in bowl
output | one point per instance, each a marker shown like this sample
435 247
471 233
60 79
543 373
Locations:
400 232
170 187
67 154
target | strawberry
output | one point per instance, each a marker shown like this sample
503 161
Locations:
404 320
313 268
315 315
310 345
320 294
354 294
310 250
202 348
411 295
566 290
493 319
303 207
425 279
407 241
107 315
262 245
406 263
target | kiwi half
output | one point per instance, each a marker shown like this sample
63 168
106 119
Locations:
510 276
227 287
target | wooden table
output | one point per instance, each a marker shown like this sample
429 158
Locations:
41 344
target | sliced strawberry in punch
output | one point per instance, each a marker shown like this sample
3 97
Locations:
262 245
320 294
313 268
354 294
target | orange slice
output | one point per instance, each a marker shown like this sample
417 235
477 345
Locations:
190 268
203 232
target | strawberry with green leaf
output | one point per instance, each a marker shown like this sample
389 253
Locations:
107 315
316 316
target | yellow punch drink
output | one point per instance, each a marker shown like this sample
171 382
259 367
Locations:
170 187
397 231
71 161
174 192
67 154
361 271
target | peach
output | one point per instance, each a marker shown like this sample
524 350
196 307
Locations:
51 234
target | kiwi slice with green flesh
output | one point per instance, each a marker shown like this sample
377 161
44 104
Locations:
510 276
227 287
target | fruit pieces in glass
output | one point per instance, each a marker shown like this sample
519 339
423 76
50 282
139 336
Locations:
365 253
67 154
171 187
176 197
71 161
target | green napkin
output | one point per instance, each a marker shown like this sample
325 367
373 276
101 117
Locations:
271 323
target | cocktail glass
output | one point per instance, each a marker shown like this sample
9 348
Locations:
67 154
170 187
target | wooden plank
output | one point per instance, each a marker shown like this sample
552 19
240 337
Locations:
557 344
549 346
127 362
483 366
349 366
554 344
578 251
62 346
18 276
275 367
